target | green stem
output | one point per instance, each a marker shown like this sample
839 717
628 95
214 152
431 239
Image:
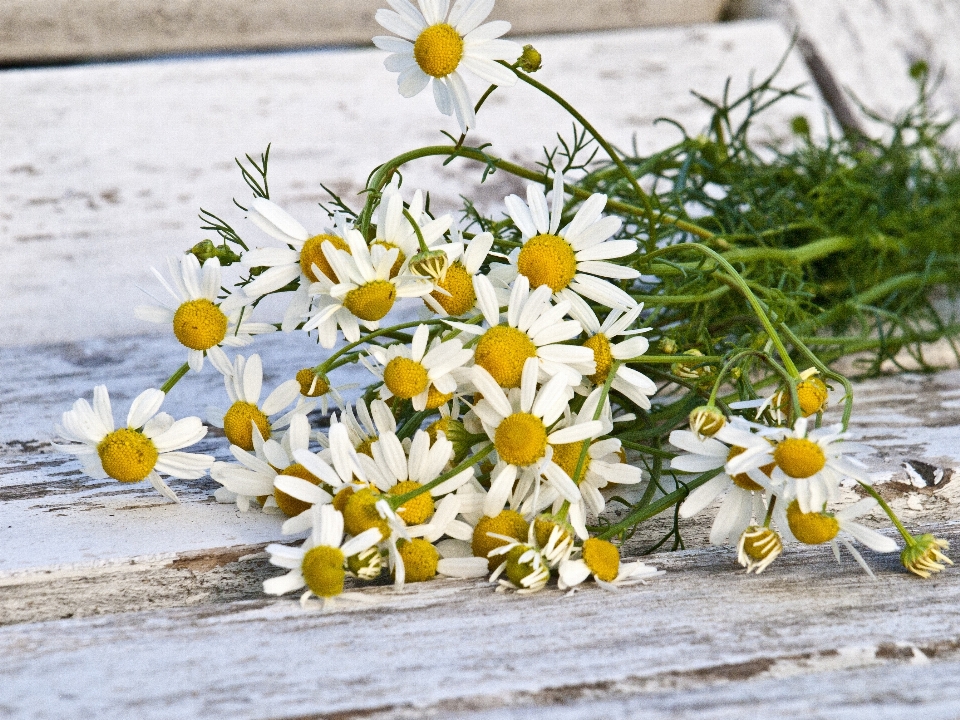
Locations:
398 500
175 378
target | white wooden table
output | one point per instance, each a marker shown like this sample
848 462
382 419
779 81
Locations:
116 604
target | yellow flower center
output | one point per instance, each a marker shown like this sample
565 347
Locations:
127 455
812 394
360 513
199 324
311 384
312 254
799 457
322 569
743 480
502 351
435 398
600 345
405 378
602 558
509 523
521 439
395 270
371 301
237 424
438 50
415 511
811 528
567 456
460 286
420 559
547 260
287 503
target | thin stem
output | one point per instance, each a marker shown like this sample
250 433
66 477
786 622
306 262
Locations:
175 378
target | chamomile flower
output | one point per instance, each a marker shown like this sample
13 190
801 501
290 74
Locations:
631 383
817 527
455 295
395 231
246 416
410 373
364 293
808 463
534 329
146 447
200 323
435 46
301 261
602 560
319 563
745 493
571 261
518 426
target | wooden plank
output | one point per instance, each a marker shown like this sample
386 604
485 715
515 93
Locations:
103 168
866 47
57 30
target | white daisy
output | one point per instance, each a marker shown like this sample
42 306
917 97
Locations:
199 322
319 563
533 329
518 426
433 45
365 291
302 261
571 261
246 417
602 560
410 373
142 450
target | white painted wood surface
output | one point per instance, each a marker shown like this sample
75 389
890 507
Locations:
103 168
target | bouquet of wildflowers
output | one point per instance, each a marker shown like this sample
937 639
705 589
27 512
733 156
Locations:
522 372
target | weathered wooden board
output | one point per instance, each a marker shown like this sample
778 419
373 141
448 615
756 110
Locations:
57 30
103 168
866 47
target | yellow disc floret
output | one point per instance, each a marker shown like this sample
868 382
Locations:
521 439
509 523
600 345
547 260
199 324
812 528
312 384
287 503
312 254
405 378
502 351
360 513
237 424
371 301
127 455
567 456
460 286
438 50
415 511
602 558
799 457
420 559
323 572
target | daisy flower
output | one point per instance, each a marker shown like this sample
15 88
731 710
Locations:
744 493
410 373
455 295
146 447
631 383
571 261
433 45
302 261
808 463
364 293
602 560
199 323
518 427
815 528
534 329
395 231
319 563
246 417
